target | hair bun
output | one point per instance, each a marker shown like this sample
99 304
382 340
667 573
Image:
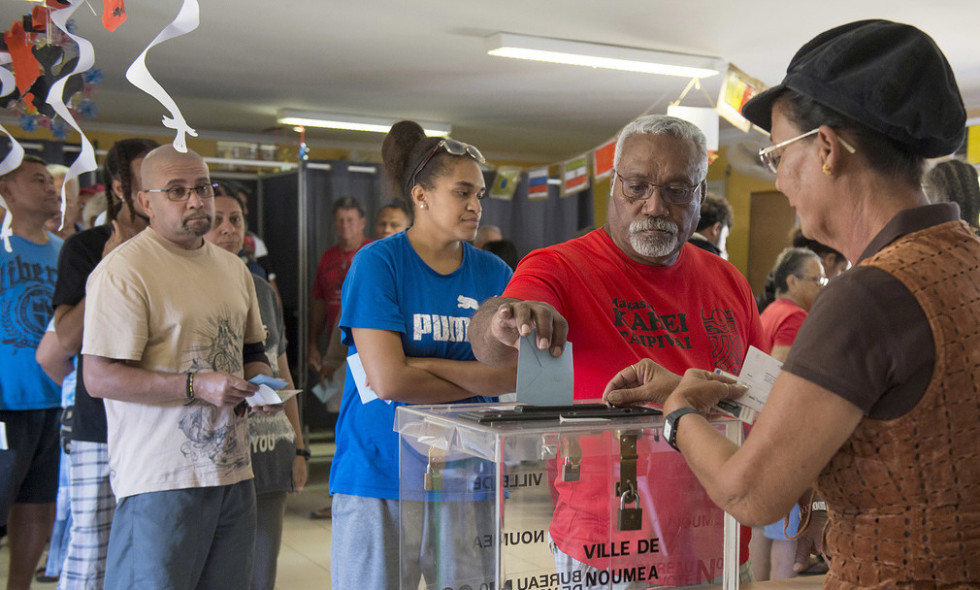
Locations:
395 152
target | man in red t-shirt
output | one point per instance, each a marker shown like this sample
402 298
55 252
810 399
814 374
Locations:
349 222
630 290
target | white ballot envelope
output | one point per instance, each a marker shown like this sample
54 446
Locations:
360 379
759 372
543 380
270 391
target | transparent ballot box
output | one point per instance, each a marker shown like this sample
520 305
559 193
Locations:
504 496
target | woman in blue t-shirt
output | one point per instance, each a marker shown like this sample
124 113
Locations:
407 303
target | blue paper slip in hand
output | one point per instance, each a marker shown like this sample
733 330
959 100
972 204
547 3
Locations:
271 382
543 380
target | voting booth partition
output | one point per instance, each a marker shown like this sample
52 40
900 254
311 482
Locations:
554 503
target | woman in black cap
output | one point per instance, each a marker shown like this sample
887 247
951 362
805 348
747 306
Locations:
877 402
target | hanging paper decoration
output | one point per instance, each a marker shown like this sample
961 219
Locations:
186 21
26 67
113 14
85 162
55 55
575 175
736 90
537 183
9 163
602 159
505 183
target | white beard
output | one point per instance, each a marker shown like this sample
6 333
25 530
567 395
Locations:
657 245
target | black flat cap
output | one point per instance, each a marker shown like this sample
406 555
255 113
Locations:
891 77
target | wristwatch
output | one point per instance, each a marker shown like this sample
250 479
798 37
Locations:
670 425
305 453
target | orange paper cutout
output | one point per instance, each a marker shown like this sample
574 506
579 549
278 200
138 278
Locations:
26 68
39 19
113 14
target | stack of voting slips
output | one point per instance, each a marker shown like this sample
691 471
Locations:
759 372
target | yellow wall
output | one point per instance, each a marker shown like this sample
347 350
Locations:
739 189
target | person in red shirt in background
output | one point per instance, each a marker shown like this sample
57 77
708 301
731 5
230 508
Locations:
349 223
791 288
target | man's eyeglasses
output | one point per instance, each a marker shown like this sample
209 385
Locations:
452 147
771 155
638 190
182 193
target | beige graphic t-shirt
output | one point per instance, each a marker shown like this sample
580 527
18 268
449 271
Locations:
172 310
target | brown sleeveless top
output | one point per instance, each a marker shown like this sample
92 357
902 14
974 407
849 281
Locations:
904 494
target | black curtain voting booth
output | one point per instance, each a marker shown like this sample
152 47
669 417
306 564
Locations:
291 211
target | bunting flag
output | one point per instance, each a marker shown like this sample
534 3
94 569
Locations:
505 183
537 183
602 159
575 175
736 90
113 14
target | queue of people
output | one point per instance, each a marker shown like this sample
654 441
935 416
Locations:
872 424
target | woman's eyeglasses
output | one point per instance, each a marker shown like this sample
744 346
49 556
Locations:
771 155
452 147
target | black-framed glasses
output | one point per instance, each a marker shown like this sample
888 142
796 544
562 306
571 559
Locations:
182 193
452 147
771 155
640 190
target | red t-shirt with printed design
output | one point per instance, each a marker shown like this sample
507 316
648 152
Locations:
696 313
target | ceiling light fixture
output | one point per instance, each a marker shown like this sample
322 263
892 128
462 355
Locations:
603 56
354 122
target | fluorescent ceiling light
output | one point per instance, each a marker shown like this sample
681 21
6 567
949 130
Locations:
354 122
603 56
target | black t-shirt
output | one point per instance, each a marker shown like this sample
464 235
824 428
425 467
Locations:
79 256
866 338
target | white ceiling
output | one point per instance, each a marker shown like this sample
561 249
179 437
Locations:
426 59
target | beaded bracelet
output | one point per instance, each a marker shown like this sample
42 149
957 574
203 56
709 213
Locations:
190 387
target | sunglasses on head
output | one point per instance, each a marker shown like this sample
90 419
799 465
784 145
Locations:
453 148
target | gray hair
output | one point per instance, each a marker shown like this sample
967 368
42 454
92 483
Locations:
671 127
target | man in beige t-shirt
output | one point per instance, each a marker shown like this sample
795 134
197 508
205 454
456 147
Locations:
173 330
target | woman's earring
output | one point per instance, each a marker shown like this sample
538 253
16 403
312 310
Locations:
826 170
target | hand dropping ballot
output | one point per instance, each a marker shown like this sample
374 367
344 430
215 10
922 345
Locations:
543 380
759 372
270 393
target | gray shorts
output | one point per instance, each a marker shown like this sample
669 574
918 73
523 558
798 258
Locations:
183 539
377 543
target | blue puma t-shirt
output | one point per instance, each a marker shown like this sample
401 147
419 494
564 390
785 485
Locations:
389 287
